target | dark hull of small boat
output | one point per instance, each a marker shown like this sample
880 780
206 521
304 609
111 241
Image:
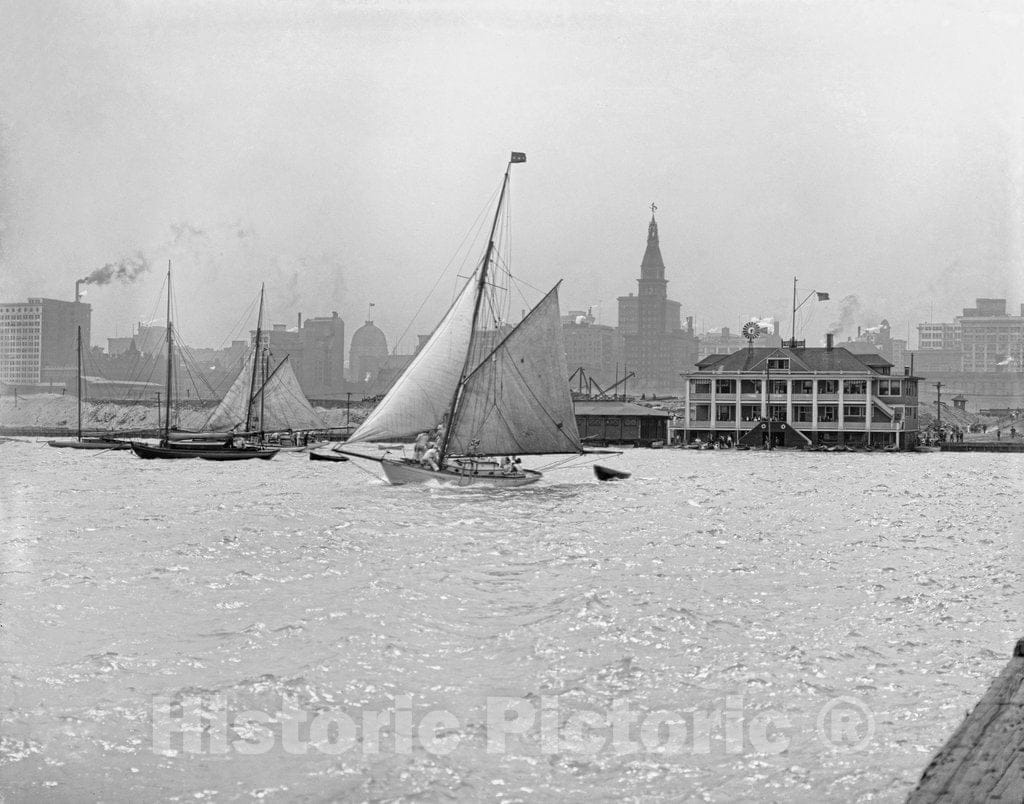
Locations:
604 473
90 443
207 454
327 456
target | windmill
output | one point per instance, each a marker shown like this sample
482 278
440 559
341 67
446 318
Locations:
751 331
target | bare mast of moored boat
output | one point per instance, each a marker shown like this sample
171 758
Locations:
170 359
79 384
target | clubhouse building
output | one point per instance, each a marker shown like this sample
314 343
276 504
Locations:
799 397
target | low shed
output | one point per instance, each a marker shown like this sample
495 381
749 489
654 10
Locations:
615 422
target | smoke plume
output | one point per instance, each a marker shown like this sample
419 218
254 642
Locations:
849 307
127 269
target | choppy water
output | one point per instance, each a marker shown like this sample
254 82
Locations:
778 609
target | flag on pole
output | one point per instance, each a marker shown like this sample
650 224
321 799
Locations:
518 157
822 297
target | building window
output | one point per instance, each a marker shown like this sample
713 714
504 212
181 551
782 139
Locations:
803 413
854 387
700 413
778 364
777 413
853 413
750 413
725 386
803 387
828 386
778 387
750 386
828 413
700 387
725 413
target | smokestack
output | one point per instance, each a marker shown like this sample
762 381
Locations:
78 290
828 341
300 322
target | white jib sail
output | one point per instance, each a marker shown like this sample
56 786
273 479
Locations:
231 410
283 404
420 397
517 401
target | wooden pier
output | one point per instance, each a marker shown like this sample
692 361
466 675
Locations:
984 759
983 446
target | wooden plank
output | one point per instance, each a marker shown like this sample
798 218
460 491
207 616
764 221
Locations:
984 759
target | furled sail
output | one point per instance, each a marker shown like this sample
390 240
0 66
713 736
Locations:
517 401
419 399
283 404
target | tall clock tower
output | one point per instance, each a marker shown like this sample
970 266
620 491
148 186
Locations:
655 346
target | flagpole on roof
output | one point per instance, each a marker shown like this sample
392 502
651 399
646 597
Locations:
821 297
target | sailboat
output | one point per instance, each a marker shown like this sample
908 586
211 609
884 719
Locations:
262 400
232 449
483 388
97 442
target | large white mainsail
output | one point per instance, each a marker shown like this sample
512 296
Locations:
420 397
281 402
517 401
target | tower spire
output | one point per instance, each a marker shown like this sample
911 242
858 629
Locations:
652 229
652 266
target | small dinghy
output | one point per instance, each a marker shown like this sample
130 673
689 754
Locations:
326 455
604 473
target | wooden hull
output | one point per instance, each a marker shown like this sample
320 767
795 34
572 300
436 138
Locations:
327 456
604 473
210 453
87 443
299 447
401 472
182 435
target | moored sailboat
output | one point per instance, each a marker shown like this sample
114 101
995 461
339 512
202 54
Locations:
86 442
485 388
232 448
267 403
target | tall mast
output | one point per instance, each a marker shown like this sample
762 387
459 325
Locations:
170 357
792 331
255 365
481 286
264 371
79 383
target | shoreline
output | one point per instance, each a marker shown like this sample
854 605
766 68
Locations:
56 415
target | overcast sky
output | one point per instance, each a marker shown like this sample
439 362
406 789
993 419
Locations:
340 151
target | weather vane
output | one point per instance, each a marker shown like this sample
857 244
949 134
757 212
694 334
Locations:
654 207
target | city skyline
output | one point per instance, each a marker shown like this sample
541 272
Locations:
869 150
855 321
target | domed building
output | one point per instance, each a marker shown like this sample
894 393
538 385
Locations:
367 353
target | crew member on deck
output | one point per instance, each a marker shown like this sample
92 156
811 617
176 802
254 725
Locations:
430 457
420 446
